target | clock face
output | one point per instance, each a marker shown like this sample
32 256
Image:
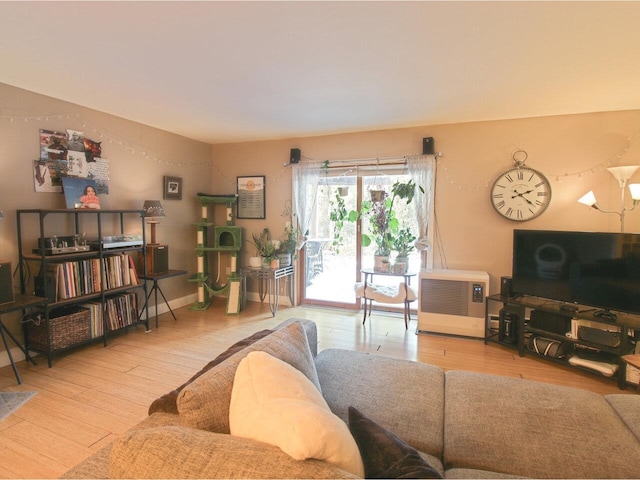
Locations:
521 194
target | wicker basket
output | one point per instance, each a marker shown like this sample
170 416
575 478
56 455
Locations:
68 329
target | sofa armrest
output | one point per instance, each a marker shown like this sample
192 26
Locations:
182 452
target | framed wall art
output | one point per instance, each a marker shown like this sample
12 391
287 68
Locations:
172 188
251 197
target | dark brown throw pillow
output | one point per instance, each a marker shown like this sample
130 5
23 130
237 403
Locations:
167 402
383 453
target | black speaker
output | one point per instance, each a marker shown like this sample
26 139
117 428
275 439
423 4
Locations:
157 258
505 287
508 326
428 147
6 285
295 155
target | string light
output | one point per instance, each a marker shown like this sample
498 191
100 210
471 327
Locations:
558 177
126 145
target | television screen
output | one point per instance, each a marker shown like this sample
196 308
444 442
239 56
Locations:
595 269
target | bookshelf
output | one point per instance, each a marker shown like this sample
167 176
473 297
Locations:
91 285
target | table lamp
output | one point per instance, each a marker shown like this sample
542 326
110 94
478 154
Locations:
152 210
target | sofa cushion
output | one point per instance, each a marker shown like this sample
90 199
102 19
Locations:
167 402
532 429
180 452
272 402
204 403
382 387
97 465
384 455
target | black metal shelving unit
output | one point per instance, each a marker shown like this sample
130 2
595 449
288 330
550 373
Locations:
34 226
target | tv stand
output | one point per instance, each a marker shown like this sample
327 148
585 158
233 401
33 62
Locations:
595 342
569 307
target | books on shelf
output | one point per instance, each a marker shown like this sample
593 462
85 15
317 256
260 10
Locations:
64 280
119 311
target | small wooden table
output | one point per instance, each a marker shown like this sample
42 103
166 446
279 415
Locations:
21 302
156 277
369 273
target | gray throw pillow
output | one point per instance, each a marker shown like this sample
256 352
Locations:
168 402
204 403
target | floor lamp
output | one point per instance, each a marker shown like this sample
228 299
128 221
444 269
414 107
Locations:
622 175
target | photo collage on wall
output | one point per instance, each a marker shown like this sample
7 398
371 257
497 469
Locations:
69 154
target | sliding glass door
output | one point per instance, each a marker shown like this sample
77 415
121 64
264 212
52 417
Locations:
334 255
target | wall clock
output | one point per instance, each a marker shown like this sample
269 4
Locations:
521 193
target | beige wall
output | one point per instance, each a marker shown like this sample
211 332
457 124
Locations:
139 158
471 234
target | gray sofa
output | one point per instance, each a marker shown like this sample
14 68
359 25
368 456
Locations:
462 424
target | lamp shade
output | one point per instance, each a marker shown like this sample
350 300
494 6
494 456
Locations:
622 174
153 208
588 199
635 190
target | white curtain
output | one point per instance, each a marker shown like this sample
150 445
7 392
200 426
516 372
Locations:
422 169
305 186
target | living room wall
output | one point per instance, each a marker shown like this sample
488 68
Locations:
573 151
139 157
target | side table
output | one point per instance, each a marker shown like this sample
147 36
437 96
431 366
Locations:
268 282
21 302
155 278
404 296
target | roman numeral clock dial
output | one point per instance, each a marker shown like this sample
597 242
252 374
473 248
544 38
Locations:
521 194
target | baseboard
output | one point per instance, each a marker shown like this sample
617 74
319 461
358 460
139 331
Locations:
175 303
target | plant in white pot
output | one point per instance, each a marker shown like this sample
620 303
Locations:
265 249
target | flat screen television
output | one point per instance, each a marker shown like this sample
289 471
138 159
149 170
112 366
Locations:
596 269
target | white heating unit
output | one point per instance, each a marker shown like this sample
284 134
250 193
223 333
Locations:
452 301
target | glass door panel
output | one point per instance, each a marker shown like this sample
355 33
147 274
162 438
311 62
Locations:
330 251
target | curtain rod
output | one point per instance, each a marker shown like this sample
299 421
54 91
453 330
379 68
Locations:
354 162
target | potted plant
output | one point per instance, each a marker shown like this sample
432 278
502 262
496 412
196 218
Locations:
288 246
403 245
383 223
265 248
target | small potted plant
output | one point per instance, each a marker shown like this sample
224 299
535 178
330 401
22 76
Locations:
265 248
403 244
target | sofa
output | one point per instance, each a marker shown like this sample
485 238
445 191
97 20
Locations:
273 407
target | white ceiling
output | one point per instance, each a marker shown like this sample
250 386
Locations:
240 71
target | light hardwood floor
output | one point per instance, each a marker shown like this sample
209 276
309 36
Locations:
93 394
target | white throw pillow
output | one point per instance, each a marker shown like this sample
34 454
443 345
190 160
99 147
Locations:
274 403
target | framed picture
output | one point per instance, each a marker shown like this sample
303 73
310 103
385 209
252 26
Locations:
251 197
172 188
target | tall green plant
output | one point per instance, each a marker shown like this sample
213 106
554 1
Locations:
383 222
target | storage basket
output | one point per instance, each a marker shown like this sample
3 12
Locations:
66 328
